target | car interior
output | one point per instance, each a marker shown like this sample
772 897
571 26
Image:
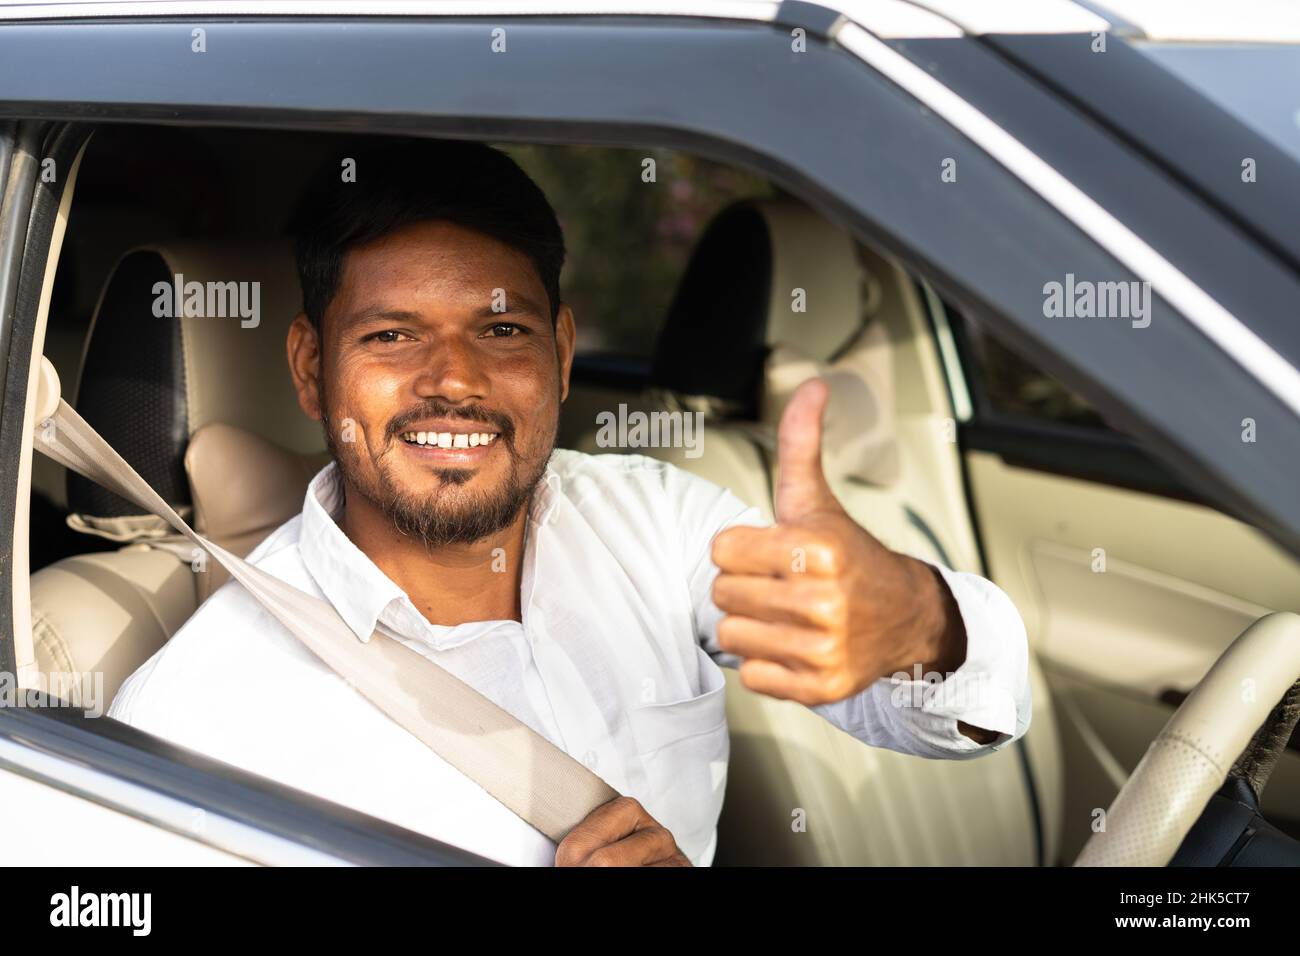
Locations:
682 290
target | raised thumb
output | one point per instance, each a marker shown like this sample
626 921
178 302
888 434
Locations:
801 488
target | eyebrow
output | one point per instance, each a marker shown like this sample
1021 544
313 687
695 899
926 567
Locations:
517 304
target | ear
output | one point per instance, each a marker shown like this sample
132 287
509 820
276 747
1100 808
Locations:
565 339
304 351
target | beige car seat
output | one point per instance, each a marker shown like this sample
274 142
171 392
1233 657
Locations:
772 289
150 384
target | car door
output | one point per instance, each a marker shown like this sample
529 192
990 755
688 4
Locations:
1131 583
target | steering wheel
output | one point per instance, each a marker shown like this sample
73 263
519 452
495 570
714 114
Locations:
1191 757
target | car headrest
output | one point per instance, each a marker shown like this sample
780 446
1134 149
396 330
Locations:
156 370
244 488
860 433
765 273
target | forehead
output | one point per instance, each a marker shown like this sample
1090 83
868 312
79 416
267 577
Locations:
433 259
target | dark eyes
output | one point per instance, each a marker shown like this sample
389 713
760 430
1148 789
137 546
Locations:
501 330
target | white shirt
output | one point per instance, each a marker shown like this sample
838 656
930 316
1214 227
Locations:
615 661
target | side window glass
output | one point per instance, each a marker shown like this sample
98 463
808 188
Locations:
1003 384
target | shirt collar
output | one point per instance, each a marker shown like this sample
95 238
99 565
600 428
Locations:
354 584
348 578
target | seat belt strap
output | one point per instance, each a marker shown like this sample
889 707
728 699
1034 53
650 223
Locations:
518 766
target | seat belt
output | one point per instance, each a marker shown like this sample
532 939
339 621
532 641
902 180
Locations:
523 770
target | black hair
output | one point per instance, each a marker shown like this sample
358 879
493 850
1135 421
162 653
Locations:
469 184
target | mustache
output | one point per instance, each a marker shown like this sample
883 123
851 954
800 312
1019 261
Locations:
501 422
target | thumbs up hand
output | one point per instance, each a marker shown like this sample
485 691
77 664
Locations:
817 607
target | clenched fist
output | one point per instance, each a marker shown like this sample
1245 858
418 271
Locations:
619 833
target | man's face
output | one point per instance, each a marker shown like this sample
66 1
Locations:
438 378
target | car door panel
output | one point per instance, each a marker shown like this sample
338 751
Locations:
1129 598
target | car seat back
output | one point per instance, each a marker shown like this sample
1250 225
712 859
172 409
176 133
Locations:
155 376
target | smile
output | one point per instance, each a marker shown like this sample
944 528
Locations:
450 439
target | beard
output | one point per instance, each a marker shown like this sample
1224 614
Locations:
443 515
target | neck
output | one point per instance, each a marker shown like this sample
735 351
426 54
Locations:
449 585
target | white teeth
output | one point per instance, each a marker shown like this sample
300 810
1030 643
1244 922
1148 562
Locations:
450 439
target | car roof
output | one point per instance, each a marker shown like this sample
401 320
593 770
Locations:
1163 20
887 18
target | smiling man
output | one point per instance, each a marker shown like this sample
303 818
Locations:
593 597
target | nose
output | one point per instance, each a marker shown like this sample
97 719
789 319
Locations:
452 372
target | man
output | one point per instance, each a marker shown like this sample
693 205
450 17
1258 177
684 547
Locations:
591 596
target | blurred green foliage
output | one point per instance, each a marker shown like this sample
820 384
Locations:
628 240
